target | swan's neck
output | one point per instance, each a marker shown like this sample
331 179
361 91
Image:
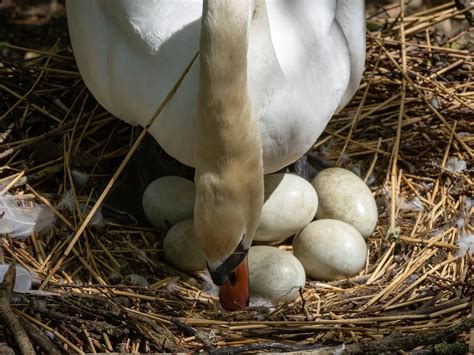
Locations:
228 154
224 106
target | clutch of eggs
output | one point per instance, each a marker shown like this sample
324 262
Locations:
330 248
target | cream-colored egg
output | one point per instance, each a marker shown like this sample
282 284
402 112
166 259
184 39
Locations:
275 275
345 197
168 200
181 248
330 249
290 204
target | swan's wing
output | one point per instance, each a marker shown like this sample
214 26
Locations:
350 15
151 23
124 46
312 49
130 54
88 30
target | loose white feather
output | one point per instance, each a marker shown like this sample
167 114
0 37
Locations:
23 277
339 349
465 244
172 286
468 203
413 204
137 280
20 219
80 178
66 202
208 286
97 220
261 302
455 165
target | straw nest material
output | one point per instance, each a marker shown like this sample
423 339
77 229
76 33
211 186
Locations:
102 288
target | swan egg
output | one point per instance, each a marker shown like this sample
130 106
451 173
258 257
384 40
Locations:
330 249
345 197
181 248
168 200
275 275
290 205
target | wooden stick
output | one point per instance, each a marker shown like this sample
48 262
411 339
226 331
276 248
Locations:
11 322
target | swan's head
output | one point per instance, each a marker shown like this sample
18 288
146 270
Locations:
227 212
228 151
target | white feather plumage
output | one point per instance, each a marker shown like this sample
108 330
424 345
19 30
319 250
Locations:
20 220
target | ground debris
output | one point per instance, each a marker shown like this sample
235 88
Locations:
407 132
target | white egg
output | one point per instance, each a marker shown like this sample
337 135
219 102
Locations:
168 200
330 249
181 248
345 197
275 275
290 204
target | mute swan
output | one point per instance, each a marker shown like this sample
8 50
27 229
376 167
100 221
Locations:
269 77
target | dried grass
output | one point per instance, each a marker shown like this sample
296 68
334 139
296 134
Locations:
414 111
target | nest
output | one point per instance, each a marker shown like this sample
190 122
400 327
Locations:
407 133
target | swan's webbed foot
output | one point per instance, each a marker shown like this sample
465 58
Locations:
309 165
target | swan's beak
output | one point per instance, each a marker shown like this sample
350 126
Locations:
234 294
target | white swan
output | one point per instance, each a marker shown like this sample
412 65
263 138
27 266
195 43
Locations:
270 76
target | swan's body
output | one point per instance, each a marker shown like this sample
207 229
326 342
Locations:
270 76
305 60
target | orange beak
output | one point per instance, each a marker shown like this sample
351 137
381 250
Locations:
234 294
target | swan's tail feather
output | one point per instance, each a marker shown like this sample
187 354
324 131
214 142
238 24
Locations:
20 220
